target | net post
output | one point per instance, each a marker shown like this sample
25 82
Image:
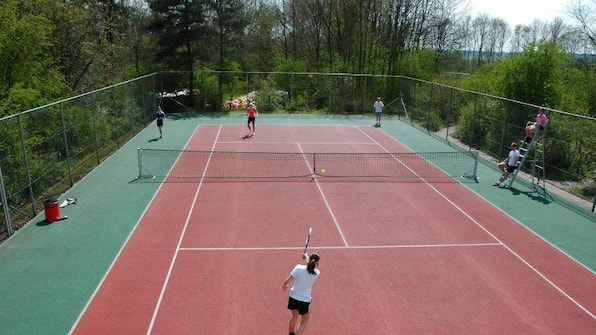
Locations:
475 154
472 172
139 162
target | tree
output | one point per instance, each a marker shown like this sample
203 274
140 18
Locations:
178 24
229 22
181 25
480 30
258 48
139 46
534 76
28 76
585 14
87 38
309 30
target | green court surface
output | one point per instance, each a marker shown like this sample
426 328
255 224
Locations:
48 272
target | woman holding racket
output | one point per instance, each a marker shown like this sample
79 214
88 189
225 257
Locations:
251 113
303 276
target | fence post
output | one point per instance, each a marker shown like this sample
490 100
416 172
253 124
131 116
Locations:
26 163
430 107
448 117
503 131
414 104
364 96
115 115
95 109
473 126
5 206
66 151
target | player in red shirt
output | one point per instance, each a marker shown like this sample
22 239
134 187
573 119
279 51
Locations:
252 114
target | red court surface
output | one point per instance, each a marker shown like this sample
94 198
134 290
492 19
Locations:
209 256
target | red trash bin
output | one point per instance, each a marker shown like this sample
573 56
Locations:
52 210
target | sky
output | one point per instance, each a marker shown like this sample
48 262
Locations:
520 11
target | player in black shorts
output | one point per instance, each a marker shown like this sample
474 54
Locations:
303 276
252 114
160 115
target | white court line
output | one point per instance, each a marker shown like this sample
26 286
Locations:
293 143
341 233
388 246
109 270
173 262
347 246
540 274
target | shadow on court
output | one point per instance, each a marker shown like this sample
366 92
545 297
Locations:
537 195
43 223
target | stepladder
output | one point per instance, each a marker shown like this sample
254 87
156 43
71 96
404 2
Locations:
532 156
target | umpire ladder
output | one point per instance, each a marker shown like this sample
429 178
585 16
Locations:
532 153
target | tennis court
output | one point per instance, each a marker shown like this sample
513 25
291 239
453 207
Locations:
207 225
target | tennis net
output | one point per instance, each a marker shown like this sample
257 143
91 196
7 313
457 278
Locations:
232 164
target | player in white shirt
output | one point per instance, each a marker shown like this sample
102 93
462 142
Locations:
303 276
509 164
378 107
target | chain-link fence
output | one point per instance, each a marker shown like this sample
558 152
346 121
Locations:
479 121
47 149
490 124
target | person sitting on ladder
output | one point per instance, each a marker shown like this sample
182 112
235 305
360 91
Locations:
508 165
541 122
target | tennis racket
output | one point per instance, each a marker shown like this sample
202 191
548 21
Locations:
307 242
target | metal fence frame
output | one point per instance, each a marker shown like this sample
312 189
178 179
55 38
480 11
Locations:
47 149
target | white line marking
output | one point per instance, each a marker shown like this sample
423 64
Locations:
501 242
341 233
173 262
397 246
105 276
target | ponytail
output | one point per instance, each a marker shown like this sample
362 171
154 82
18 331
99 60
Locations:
312 263
310 267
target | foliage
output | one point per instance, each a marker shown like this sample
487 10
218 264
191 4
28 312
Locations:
487 79
421 64
232 79
29 77
534 76
50 50
179 26
268 98
44 151
207 82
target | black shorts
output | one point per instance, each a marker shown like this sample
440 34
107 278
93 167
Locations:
541 128
301 306
159 122
251 120
510 169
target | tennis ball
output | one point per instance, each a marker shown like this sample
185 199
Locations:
322 171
